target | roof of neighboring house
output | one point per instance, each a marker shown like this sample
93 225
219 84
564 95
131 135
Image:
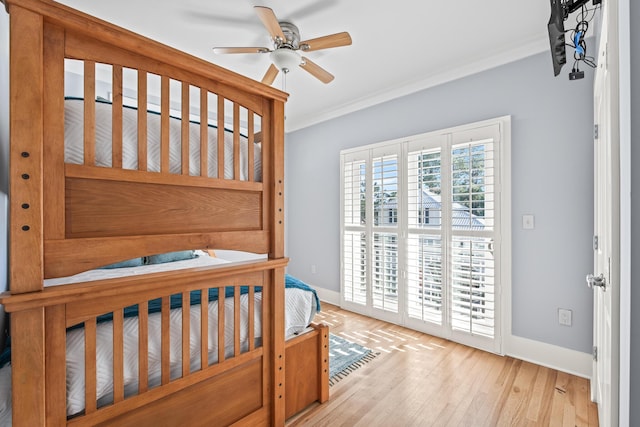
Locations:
432 201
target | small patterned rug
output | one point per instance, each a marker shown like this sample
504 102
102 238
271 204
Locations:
345 357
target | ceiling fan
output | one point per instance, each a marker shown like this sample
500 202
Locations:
285 54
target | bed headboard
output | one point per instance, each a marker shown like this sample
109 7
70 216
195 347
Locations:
74 217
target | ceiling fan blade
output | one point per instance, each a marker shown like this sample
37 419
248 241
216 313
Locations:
316 71
240 50
270 75
325 42
270 21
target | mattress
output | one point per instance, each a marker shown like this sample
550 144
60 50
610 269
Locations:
74 145
300 308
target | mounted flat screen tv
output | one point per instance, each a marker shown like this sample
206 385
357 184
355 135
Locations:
556 36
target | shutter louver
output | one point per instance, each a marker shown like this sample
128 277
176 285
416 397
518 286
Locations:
425 277
473 285
385 271
355 267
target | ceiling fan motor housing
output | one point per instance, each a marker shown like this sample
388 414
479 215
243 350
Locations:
291 34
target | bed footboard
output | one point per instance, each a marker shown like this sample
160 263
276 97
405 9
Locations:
307 373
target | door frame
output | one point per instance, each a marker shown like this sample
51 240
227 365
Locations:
607 87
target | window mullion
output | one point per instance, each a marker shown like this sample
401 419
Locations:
445 200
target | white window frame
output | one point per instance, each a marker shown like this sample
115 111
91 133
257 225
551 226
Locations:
502 222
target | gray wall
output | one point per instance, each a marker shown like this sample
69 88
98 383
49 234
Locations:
635 214
4 157
552 154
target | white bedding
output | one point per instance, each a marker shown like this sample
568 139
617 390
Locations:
74 146
300 308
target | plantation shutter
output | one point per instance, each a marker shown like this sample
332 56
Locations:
385 266
421 232
425 250
354 244
474 237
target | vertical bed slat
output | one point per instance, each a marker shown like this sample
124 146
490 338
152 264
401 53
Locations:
221 326
165 346
116 122
118 355
143 347
204 132
237 311
142 120
184 140
89 113
236 141
164 124
252 319
90 365
56 369
250 148
186 333
220 137
204 328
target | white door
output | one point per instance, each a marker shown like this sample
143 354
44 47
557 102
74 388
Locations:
605 277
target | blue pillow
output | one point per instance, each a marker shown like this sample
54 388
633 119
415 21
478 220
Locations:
135 262
170 257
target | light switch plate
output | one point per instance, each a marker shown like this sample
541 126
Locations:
528 222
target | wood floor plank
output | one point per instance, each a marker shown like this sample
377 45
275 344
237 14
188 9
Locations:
421 380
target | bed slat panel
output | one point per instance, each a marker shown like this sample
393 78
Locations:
116 122
142 120
204 132
236 140
186 333
56 386
90 365
118 356
204 328
143 347
237 311
220 137
166 344
221 328
97 208
84 47
164 124
250 147
89 113
252 318
184 136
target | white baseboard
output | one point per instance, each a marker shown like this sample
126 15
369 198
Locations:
549 355
332 297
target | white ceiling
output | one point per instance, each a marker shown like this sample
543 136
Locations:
399 46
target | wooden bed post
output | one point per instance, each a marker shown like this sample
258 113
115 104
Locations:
26 230
276 250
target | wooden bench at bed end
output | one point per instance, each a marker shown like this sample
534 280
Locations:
307 374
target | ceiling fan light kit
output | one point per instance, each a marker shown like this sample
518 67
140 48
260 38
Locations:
286 44
285 59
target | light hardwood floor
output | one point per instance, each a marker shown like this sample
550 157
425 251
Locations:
421 380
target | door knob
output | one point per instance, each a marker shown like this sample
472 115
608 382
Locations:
596 281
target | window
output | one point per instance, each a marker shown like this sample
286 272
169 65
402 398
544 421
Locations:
430 257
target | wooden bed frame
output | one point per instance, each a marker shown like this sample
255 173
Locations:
62 224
